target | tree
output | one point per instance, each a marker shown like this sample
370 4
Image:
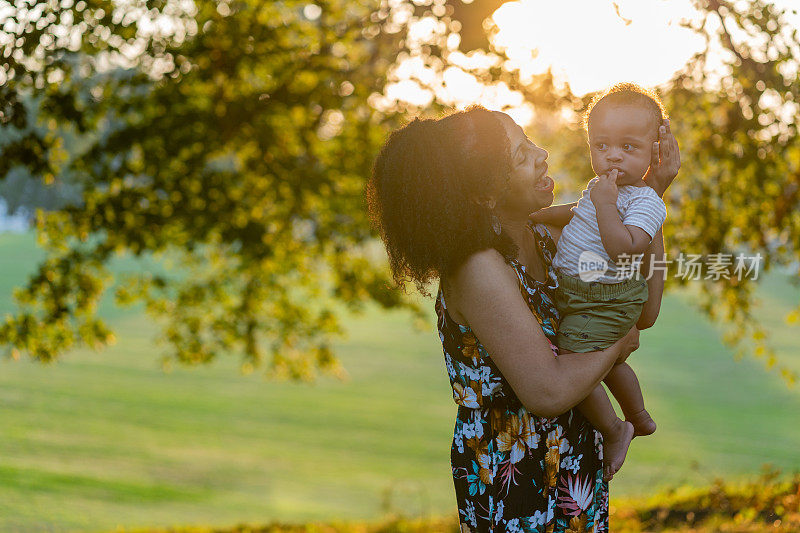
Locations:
237 138
740 184
23 192
238 135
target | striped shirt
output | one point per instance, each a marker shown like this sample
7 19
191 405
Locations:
580 249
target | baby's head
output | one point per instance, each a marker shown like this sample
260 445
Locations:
622 124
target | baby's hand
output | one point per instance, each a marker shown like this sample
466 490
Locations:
605 190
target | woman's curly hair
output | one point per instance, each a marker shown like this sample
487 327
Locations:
423 195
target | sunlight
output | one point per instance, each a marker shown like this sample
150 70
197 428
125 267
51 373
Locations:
589 44
592 44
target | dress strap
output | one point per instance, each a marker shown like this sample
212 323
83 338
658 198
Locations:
544 240
547 249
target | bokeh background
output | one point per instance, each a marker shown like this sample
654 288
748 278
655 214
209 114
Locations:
199 326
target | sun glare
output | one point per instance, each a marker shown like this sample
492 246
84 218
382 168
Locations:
589 44
593 44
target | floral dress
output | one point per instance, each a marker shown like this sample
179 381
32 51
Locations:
512 470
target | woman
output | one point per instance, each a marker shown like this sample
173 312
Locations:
451 199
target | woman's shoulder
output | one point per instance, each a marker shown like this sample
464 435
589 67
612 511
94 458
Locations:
483 264
481 275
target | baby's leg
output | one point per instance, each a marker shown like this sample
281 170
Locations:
617 433
624 385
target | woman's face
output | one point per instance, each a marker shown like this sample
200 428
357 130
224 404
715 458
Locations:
529 188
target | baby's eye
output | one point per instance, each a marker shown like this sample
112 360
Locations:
601 146
628 147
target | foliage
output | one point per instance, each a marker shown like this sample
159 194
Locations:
739 190
233 135
770 501
237 135
227 140
24 192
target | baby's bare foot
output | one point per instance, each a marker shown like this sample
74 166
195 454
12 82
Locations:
615 448
643 423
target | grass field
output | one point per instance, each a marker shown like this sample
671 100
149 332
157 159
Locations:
99 440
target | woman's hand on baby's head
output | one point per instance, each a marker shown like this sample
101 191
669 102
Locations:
605 191
665 160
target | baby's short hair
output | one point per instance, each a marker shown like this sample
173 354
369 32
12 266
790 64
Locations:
628 94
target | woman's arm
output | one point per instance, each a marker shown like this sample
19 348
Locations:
655 283
485 292
555 215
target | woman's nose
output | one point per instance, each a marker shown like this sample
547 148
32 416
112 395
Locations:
541 154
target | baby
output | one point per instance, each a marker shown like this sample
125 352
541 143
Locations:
600 294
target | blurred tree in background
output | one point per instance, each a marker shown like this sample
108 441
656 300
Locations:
739 190
238 135
24 192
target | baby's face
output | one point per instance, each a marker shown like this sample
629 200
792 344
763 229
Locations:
621 137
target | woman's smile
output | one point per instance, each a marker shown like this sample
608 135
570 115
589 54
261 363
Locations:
545 183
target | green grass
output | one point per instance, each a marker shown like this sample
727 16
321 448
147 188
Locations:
98 440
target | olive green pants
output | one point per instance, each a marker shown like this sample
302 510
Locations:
596 315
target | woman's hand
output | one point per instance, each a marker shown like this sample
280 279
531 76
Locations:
628 344
665 160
